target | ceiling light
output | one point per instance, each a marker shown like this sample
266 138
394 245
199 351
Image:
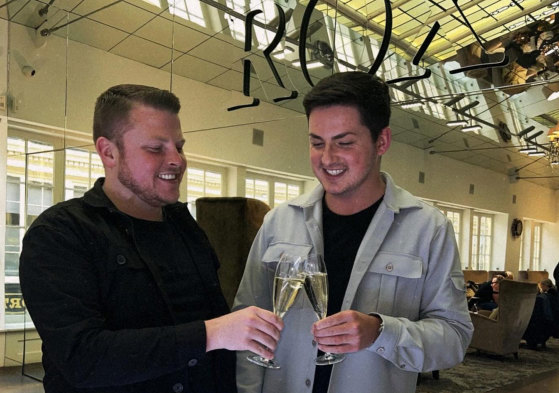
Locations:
280 54
537 154
527 150
455 123
310 64
474 127
413 104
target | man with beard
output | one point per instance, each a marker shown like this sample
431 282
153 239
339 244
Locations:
121 283
396 296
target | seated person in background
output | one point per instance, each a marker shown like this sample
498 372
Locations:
544 321
471 288
484 297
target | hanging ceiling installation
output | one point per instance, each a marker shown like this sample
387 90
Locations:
491 67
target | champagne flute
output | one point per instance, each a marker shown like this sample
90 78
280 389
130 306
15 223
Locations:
316 287
288 279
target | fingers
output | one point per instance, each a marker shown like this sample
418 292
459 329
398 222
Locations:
251 328
347 331
267 316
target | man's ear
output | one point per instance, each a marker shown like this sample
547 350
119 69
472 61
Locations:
383 141
107 150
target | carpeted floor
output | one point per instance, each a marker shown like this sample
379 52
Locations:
482 372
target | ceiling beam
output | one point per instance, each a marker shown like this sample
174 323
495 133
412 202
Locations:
438 17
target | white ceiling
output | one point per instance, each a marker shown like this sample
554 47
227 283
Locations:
152 35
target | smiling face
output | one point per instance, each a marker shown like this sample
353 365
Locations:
146 166
345 159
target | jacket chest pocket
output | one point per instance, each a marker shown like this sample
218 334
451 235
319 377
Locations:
271 258
274 252
396 281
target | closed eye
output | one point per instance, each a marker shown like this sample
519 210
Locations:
154 149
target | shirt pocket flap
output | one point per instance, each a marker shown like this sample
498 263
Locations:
274 251
457 279
397 264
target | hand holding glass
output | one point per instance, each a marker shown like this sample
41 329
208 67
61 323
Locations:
316 287
288 279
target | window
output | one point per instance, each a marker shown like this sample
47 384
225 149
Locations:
81 169
36 161
236 26
482 227
272 190
188 9
455 217
201 183
536 246
522 261
258 189
283 192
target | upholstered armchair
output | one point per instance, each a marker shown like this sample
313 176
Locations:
231 223
502 336
477 276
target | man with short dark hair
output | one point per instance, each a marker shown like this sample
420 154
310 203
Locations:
122 283
397 303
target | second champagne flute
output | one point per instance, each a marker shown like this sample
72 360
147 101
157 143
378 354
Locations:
316 287
288 279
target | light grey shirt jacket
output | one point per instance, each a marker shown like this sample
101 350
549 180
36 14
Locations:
407 271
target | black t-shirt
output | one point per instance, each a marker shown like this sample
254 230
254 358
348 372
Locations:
171 255
342 238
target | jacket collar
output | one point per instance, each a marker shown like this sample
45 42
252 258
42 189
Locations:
395 198
96 197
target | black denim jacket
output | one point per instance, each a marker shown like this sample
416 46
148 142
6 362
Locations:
97 303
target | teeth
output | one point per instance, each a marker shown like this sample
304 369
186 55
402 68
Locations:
334 172
168 176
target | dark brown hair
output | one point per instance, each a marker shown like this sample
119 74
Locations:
366 92
113 107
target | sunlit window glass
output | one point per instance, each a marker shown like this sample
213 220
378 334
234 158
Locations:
482 230
258 189
189 10
82 168
201 183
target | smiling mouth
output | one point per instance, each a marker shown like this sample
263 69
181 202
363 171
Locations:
334 172
168 176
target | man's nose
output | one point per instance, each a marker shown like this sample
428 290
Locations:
328 154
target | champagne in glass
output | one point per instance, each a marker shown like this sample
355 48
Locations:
316 287
288 279
285 292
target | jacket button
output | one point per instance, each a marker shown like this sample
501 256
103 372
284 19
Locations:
192 362
389 267
313 343
178 388
120 259
308 382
